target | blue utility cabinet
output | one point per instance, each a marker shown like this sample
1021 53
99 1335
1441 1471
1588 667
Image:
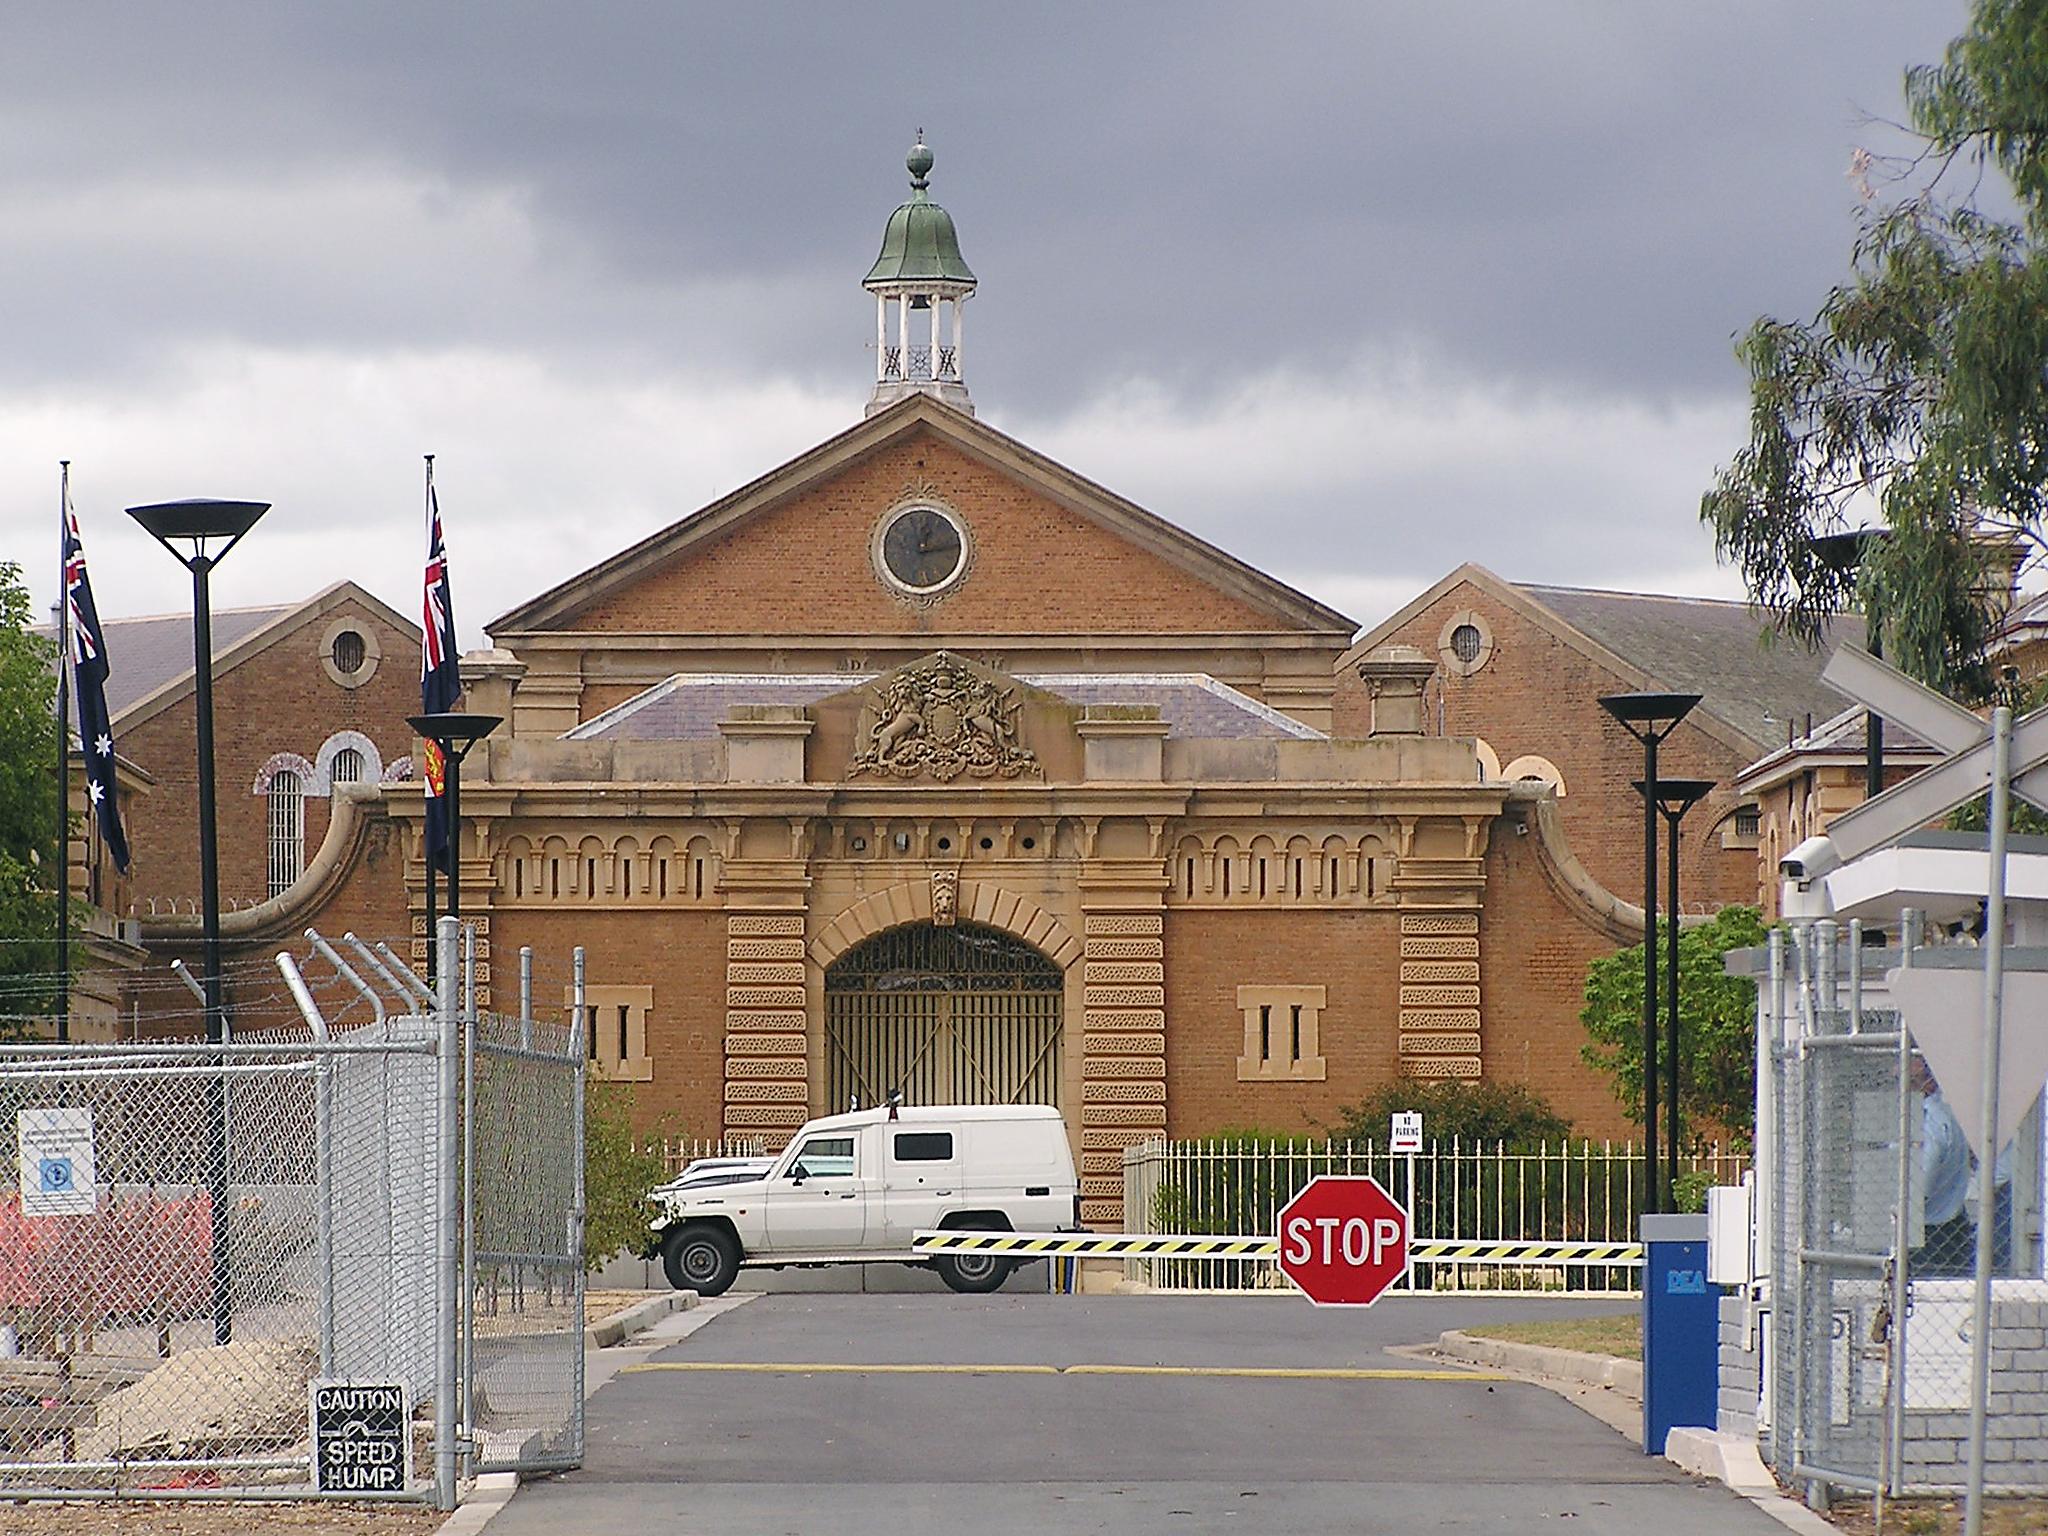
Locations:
1681 1329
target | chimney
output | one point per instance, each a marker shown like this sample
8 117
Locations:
1395 676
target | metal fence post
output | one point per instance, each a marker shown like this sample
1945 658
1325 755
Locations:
1987 1122
1909 932
467 1292
445 1256
526 997
579 1055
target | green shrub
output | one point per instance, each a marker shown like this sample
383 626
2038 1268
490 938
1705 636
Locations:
1467 1112
617 1173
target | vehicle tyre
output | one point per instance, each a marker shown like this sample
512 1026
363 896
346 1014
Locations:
701 1258
974 1274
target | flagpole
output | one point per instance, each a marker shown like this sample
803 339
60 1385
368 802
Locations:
426 843
63 758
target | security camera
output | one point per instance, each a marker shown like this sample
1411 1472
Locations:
1810 861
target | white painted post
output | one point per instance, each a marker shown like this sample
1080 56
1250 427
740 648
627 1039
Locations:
1987 1122
1909 1103
903 333
936 302
881 338
959 351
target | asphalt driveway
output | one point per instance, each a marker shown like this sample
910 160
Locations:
837 1414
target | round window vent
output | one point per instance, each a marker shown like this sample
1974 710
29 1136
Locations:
1467 643
349 652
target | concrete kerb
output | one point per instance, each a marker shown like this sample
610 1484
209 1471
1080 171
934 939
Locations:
1625 1376
480 1501
637 1318
1611 1390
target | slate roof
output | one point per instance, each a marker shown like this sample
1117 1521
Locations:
688 706
145 653
1756 681
1840 736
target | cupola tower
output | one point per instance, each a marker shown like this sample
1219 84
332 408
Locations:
919 282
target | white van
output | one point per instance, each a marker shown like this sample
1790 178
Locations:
857 1188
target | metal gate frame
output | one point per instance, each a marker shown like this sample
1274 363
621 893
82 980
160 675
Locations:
946 990
1839 1211
533 1215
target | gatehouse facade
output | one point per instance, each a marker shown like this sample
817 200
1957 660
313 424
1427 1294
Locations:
924 765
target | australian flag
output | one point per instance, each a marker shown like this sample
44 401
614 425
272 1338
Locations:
440 682
89 672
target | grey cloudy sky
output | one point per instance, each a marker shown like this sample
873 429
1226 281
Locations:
1357 291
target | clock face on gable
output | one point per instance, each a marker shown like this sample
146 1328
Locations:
922 550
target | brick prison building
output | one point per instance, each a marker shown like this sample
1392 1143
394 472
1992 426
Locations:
925 764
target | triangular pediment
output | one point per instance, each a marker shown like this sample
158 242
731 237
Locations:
797 549
945 718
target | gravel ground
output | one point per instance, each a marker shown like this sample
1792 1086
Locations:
193 1519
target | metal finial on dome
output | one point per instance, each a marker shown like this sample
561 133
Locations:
919 160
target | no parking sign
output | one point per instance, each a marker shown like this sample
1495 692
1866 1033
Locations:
55 1148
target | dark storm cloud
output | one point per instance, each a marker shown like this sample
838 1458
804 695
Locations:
1588 195
1357 291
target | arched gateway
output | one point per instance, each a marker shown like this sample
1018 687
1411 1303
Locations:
966 1014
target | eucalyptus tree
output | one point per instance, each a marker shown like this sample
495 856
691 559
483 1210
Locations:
1918 393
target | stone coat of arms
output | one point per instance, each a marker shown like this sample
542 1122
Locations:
939 719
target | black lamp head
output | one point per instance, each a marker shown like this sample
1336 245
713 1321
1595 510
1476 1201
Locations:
1677 796
199 518
454 728
1649 714
1846 551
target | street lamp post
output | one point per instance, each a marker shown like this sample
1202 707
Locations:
454 733
202 525
1674 797
1649 717
1844 553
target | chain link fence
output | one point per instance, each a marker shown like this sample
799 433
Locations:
523 1326
1870 1238
241 1269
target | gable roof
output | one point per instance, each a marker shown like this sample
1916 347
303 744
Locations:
173 676
1749 679
1841 739
1293 609
149 651
688 706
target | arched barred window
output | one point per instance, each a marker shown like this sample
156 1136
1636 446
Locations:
287 843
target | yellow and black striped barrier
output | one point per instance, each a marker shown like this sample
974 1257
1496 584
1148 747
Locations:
1120 1245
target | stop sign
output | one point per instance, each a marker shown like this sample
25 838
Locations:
1343 1240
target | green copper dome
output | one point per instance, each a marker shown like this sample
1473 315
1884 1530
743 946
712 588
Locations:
920 244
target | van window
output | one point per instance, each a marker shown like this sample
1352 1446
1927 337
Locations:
924 1146
825 1157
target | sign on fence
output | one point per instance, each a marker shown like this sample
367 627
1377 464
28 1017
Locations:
359 1435
56 1162
1404 1133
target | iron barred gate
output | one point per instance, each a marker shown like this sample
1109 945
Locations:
958 1015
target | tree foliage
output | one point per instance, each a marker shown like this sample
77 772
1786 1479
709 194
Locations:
1919 386
618 1171
1716 1023
28 813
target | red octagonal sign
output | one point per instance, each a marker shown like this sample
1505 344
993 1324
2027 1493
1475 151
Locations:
1343 1240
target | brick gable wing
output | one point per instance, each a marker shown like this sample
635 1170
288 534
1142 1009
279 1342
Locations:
1048 553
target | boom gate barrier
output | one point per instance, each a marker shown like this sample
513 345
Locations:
1119 1245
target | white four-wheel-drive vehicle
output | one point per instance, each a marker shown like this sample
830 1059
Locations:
857 1188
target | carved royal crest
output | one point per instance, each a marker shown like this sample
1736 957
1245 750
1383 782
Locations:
940 719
